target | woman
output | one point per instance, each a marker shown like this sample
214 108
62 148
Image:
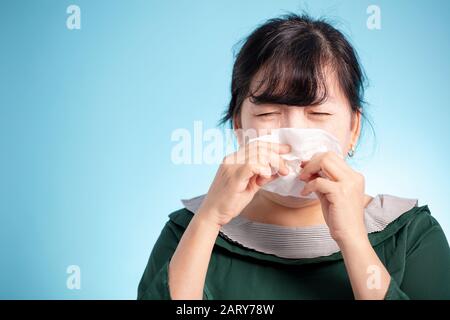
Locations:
242 242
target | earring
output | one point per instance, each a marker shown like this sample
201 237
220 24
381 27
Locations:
351 152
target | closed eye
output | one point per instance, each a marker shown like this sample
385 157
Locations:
321 113
267 114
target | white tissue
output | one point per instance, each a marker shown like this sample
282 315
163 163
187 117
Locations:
304 144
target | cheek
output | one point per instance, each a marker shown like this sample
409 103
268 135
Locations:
344 142
250 126
340 130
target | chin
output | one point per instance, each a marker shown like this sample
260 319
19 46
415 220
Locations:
287 201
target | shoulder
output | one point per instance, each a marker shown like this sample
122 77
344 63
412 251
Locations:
422 220
394 217
422 225
174 227
180 218
416 226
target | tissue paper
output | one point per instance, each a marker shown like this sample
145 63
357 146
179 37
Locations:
304 144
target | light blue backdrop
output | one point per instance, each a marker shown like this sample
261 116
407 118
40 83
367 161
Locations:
86 119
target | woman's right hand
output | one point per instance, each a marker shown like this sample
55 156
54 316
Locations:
240 176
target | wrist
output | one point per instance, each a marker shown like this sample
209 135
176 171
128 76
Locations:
355 243
208 217
353 236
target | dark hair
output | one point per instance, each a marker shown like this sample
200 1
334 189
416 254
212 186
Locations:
292 53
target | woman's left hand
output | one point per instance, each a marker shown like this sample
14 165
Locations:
341 194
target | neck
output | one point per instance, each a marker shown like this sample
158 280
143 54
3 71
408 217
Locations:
265 210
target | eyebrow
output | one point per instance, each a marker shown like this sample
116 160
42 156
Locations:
265 105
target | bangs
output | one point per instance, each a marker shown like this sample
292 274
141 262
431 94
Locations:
293 76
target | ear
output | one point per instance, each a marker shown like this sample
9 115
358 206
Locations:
355 127
237 129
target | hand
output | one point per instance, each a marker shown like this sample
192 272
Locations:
341 194
240 176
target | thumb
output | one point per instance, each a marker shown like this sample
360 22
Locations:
260 181
323 200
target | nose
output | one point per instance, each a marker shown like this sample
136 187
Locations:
294 117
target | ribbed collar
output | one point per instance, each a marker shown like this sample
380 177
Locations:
304 242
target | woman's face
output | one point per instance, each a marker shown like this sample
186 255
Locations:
334 116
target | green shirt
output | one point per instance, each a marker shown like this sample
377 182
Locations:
413 248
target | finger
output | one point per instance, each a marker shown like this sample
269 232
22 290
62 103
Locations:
278 164
324 162
248 170
263 170
340 161
283 169
253 148
260 181
244 153
274 160
280 148
273 146
321 185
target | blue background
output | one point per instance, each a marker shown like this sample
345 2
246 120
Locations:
86 118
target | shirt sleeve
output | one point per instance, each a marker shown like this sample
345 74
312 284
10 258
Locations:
427 266
154 284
